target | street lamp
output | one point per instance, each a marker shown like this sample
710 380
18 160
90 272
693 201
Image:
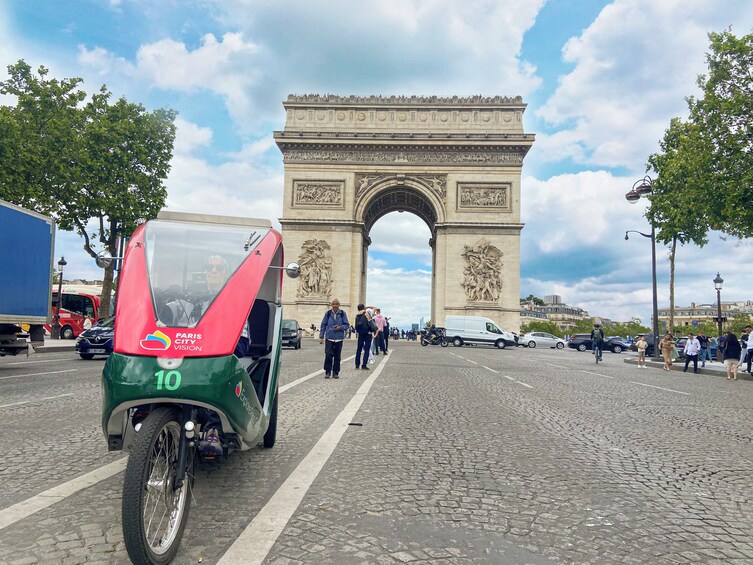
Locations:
718 281
642 188
56 326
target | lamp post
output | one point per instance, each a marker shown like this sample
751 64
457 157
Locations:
643 188
718 281
56 326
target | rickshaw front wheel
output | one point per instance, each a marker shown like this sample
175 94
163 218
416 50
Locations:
154 511
271 434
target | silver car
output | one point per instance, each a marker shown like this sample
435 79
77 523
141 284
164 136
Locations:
542 339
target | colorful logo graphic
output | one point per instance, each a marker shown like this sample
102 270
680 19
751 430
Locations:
239 389
156 341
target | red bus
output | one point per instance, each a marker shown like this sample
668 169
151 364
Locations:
79 301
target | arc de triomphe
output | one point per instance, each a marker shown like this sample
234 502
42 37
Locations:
454 162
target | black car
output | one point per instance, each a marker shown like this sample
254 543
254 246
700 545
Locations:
291 334
582 342
98 340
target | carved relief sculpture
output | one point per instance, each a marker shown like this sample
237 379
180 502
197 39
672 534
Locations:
435 183
483 269
317 193
483 196
316 269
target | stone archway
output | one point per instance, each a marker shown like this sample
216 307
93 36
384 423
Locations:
454 162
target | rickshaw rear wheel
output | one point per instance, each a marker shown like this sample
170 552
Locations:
270 435
154 512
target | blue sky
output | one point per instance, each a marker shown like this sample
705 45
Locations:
601 79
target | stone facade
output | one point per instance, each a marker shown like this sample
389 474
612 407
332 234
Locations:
454 162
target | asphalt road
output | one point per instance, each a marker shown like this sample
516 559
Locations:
461 455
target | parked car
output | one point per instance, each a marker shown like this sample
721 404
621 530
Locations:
291 334
582 342
713 347
98 340
542 339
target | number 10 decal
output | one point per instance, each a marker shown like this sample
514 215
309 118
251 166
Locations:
170 381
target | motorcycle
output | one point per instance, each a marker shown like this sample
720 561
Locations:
197 338
434 339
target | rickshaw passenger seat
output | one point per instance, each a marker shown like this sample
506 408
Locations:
259 375
258 329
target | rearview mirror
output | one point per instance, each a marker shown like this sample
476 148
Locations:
104 259
293 270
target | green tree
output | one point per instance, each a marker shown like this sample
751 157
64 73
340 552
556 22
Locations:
97 168
531 299
724 116
536 326
677 208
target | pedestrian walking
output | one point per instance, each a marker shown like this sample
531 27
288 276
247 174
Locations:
704 353
748 349
333 327
380 322
641 345
731 349
88 322
744 344
364 333
691 349
666 345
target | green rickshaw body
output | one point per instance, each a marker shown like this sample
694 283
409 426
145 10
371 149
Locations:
221 384
198 323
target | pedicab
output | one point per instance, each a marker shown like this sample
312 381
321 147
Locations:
197 339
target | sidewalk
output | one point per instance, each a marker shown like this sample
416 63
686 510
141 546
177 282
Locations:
716 368
56 345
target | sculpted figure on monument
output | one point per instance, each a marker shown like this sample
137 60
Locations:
316 269
482 282
318 194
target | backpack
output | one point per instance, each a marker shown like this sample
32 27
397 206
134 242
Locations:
362 324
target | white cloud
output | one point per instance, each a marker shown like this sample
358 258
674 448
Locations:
403 295
634 65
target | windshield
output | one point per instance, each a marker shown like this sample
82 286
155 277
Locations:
288 324
188 265
107 323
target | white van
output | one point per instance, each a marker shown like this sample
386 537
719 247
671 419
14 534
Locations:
476 329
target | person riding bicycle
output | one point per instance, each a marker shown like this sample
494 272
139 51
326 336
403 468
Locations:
597 339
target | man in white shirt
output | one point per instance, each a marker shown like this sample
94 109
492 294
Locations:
691 349
749 350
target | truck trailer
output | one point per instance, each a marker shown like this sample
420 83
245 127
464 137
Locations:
27 241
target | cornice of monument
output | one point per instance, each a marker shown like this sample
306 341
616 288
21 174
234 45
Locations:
402 100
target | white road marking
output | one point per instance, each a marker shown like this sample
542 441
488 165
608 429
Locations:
45 360
309 376
253 545
559 366
490 369
662 388
471 361
38 374
25 508
513 379
34 400
597 374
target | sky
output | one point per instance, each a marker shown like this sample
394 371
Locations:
601 81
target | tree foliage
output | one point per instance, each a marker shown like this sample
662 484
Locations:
724 116
537 326
97 167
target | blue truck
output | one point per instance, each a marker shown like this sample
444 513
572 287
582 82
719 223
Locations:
27 242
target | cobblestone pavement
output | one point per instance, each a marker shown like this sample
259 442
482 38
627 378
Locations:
464 455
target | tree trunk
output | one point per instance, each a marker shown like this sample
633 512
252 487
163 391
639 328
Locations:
104 308
672 252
